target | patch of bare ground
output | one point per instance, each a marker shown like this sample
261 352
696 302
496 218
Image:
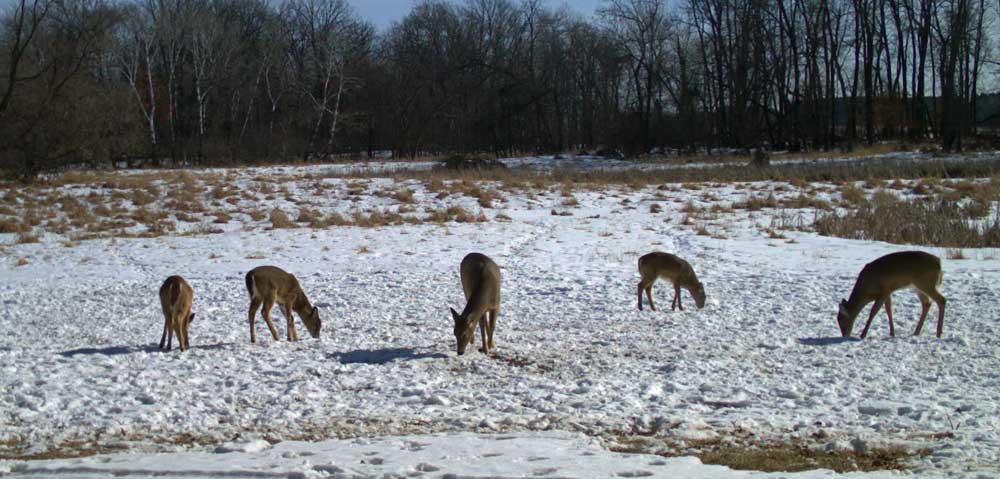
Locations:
13 449
793 456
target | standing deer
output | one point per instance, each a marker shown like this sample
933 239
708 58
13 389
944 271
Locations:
268 285
481 284
665 265
176 297
881 277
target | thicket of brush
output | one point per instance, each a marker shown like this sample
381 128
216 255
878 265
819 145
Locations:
936 222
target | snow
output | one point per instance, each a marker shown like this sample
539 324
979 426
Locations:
541 454
576 364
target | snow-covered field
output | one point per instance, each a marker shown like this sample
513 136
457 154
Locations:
576 365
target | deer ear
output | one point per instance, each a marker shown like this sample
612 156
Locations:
191 317
455 315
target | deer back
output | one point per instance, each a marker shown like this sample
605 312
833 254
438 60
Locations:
480 282
271 282
896 271
667 266
176 296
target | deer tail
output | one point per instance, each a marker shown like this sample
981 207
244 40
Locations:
249 279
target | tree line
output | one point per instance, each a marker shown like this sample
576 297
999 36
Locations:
234 81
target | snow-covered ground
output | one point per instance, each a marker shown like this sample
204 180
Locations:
762 362
536 454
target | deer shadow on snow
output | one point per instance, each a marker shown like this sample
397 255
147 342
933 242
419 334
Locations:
383 356
828 341
110 351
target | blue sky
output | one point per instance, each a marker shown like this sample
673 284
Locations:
383 12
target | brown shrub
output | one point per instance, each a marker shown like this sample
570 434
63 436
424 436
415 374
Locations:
851 194
307 215
803 201
930 223
11 225
222 217
27 236
336 219
256 215
279 219
756 203
404 195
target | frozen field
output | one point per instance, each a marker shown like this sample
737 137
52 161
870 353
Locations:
576 365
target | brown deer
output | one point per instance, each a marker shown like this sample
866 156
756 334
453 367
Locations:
665 265
881 277
481 284
268 285
176 297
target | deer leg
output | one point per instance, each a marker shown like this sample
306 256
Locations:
179 330
287 311
888 312
940 304
875 308
641 287
493 324
925 307
268 304
649 296
677 296
483 326
166 329
254 305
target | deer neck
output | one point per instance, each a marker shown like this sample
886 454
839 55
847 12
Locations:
477 305
301 304
857 301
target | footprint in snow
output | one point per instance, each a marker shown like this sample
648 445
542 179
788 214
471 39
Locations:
328 468
635 474
537 458
413 446
658 462
493 454
544 471
424 467
376 461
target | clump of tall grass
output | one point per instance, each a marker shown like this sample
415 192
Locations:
935 222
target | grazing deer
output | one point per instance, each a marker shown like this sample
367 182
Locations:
881 277
268 285
481 284
665 265
176 297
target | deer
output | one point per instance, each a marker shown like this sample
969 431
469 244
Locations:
880 278
176 297
481 285
657 265
268 285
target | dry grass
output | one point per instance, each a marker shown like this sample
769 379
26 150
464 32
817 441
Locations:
803 201
280 220
27 236
931 223
404 195
852 195
756 203
795 458
222 217
11 225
